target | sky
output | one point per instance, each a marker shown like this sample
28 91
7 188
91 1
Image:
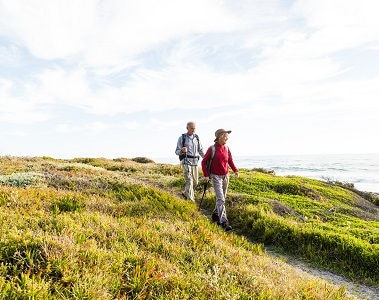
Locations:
121 78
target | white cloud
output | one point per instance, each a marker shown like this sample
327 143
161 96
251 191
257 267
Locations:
339 13
10 55
104 34
97 126
60 86
131 125
91 127
18 109
49 29
34 100
340 24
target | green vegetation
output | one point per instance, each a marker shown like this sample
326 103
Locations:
94 228
329 225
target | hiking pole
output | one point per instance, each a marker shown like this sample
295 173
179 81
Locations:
205 190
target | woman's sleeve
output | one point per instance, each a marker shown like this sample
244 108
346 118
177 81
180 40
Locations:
231 162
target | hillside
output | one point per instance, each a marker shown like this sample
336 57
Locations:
92 228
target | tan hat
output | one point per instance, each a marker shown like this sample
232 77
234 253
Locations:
219 132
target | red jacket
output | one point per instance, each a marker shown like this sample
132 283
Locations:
221 162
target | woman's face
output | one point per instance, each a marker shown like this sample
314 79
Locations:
223 138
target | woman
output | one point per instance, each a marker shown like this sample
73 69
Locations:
218 158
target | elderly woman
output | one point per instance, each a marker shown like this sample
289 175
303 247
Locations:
215 165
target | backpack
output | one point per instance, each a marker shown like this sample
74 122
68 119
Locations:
183 155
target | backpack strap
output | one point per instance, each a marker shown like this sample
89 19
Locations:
213 151
183 155
209 163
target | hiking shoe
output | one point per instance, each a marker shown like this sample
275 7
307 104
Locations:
215 217
226 226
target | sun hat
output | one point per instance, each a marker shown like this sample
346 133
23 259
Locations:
219 132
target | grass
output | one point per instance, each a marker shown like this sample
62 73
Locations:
94 228
331 226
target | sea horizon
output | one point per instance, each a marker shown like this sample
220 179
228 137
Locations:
362 170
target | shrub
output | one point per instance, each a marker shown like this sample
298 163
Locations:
22 179
68 203
142 160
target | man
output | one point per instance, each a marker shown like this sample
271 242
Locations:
215 165
189 150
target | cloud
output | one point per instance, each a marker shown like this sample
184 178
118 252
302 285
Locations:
18 109
88 41
337 25
104 34
10 55
90 127
45 92
49 29
57 85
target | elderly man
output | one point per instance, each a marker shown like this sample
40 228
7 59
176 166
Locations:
189 150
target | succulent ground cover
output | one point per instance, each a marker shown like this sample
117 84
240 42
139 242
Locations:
95 228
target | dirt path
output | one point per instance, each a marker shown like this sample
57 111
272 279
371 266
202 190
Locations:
357 290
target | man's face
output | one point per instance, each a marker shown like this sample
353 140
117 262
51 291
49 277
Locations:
191 129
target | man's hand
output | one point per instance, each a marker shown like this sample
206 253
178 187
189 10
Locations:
206 178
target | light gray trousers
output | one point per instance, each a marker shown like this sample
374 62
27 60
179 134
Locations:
191 176
220 186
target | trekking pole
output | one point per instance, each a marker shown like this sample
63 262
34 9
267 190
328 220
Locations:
205 190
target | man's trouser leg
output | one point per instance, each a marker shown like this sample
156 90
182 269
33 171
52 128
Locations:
191 177
220 186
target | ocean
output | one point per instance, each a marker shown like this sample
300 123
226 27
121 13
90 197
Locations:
360 169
